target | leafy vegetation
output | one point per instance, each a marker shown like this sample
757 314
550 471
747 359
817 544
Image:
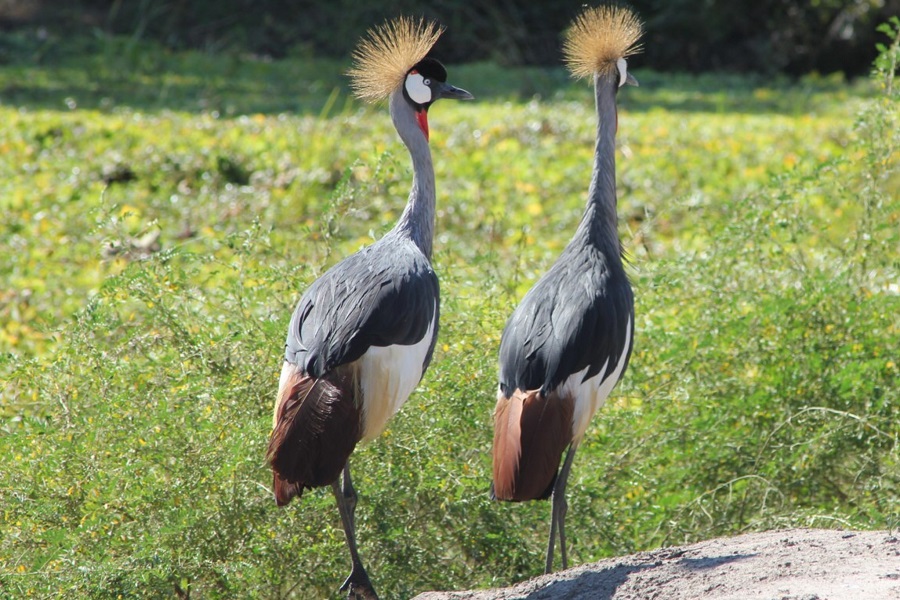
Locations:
162 213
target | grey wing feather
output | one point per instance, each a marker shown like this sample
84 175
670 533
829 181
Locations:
377 297
573 318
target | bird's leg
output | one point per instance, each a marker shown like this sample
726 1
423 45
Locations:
563 504
558 514
548 568
357 585
350 497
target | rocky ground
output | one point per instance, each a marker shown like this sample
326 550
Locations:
795 564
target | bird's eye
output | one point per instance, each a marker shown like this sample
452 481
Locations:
427 82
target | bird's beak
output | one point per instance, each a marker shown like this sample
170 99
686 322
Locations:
630 80
448 91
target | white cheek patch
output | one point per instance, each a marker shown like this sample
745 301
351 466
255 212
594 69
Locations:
417 90
623 71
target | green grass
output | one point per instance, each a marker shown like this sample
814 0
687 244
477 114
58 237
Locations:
162 213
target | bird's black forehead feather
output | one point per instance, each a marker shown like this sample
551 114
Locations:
431 68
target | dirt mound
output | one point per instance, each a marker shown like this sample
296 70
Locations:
795 564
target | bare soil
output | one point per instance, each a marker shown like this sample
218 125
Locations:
794 564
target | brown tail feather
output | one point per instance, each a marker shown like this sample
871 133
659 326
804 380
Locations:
507 444
284 490
530 434
317 426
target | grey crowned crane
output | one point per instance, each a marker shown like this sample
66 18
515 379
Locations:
568 342
363 334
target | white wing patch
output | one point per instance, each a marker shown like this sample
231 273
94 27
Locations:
287 371
387 376
590 395
418 91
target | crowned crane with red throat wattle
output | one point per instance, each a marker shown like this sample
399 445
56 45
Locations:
363 334
568 342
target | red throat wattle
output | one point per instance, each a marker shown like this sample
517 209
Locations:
422 118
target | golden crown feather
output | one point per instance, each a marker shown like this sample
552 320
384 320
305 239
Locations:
599 37
387 52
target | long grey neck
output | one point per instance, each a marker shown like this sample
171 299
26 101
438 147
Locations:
417 220
600 222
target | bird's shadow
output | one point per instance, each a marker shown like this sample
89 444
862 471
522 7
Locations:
602 584
711 562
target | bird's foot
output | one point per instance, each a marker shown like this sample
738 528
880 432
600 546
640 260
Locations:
358 586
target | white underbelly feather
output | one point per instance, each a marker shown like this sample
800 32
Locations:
590 395
387 376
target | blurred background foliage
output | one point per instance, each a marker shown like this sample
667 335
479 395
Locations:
789 36
167 191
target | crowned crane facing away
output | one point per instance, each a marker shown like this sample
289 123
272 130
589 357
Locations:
363 334
568 342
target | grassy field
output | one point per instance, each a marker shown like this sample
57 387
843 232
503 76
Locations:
161 214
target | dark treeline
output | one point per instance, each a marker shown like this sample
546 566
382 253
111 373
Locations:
788 36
